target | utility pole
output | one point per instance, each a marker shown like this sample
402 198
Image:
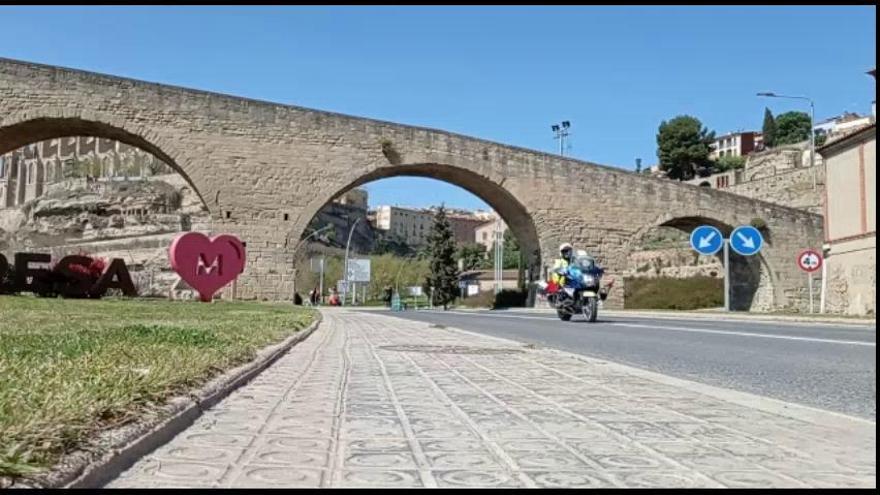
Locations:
499 255
321 283
345 268
561 131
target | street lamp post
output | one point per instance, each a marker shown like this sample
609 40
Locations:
561 131
397 277
345 268
813 166
299 245
812 131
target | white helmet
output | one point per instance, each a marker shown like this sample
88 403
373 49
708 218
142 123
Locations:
565 246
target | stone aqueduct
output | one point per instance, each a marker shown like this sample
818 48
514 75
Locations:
264 170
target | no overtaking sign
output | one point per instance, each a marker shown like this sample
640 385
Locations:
809 261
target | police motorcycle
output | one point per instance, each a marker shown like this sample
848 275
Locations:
576 288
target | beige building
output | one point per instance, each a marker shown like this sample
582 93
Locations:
733 144
477 281
850 222
408 225
413 226
485 233
356 198
28 172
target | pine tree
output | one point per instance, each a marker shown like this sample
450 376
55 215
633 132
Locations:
683 147
443 278
769 129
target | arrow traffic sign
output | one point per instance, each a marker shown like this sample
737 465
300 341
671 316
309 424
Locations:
809 261
746 240
706 240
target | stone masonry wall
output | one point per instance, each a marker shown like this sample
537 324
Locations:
793 187
256 164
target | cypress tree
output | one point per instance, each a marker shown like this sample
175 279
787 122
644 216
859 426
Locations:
444 268
769 129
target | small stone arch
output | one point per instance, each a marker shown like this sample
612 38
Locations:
753 282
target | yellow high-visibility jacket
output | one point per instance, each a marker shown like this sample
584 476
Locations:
555 277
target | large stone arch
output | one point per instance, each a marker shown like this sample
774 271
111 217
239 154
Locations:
515 214
24 128
754 281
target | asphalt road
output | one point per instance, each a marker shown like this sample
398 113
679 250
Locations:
824 366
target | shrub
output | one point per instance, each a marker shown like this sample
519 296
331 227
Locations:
510 298
390 153
759 224
485 299
673 293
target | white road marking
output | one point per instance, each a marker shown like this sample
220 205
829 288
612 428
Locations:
747 334
687 329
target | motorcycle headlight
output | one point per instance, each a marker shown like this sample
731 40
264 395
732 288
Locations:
589 279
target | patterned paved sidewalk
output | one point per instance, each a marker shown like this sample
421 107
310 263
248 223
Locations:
374 401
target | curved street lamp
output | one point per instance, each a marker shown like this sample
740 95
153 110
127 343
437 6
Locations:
812 123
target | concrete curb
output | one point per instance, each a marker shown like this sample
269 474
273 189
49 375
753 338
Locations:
126 445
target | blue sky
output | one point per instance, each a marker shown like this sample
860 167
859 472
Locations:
499 73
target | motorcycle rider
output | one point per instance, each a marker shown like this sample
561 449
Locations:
566 251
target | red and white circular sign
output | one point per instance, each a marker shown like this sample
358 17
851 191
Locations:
809 260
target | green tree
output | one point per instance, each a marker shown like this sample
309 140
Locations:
473 254
792 127
443 278
392 245
769 129
683 147
729 162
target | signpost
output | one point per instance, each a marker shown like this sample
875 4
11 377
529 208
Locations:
809 261
358 271
415 292
708 240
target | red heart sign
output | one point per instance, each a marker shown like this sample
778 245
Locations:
207 264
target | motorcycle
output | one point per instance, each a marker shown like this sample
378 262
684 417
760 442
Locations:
580 290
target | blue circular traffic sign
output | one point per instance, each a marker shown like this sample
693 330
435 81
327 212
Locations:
746 240
706 240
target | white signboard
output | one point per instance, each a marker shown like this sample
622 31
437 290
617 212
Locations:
415 291
473 290
316 264
359 270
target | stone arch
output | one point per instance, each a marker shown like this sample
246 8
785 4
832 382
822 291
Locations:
18 130
753 282
514 213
